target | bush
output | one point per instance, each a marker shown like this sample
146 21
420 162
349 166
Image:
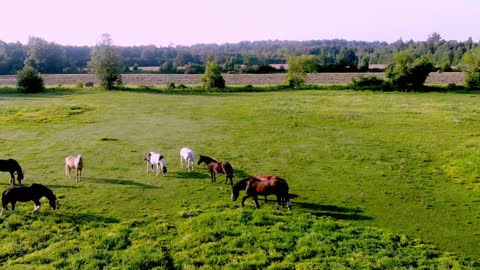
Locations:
369 83
79 84
407 74
212 78
29 80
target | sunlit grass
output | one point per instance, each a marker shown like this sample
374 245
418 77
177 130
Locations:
383 180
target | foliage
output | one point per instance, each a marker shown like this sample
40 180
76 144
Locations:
409 74
106 63
298 67
29 80
46 57
212 78
370 83
471 67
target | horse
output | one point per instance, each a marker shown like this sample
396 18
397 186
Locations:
254 187
217 167
153 158
11 166
33 192
187 155
265 177
76 163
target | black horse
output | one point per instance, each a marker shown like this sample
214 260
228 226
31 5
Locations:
217 167
11 166
33 192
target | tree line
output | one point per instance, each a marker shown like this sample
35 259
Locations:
335 55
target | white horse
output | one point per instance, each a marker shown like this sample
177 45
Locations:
187 155
153 158
76 163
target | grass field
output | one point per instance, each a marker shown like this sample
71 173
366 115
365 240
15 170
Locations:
383 180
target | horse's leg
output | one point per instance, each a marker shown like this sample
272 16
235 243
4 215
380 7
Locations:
14 206
79 174
212 175
1 212
181 162
279 202
12 178
255 198
243 200
37 206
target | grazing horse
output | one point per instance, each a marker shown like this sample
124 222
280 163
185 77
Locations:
157 159
11 166
255 187
264 177
33 192
76 163
217 167
187 155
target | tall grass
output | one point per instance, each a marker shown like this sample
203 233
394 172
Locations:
383 180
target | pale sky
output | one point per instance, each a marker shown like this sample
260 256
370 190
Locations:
187 22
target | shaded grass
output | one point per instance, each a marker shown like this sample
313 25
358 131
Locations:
389 160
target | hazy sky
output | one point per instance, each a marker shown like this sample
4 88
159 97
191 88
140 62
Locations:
187 22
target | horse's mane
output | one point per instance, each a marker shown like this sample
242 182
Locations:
242 184
47 192
79 161
207 159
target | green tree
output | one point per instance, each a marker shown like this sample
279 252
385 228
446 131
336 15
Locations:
298 68
29 80
212 78
408 74
106 63
46 57
471 67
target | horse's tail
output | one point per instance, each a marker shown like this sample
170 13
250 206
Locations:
79 162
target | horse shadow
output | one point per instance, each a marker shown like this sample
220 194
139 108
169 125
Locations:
119 182
194 174
333 211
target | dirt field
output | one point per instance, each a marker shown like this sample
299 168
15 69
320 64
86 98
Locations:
231 79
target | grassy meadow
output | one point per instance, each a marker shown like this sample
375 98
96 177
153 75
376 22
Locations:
383 180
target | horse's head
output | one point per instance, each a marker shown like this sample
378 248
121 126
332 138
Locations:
235 193
200 160
164 169
53 202
147 156
20 176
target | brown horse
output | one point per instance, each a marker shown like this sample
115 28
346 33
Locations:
76 163
217 167
254 187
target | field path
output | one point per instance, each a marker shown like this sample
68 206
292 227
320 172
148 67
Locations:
231 79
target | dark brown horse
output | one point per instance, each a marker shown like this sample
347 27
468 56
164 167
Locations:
33 192
11 166
217 167
254 187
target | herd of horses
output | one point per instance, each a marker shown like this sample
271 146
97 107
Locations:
254 186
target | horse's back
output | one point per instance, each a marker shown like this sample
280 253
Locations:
187 153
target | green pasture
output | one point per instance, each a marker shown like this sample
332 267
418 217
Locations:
382 180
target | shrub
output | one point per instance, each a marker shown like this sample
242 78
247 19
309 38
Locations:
29 80
471 65
80 84
369 83
212 78
407 74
